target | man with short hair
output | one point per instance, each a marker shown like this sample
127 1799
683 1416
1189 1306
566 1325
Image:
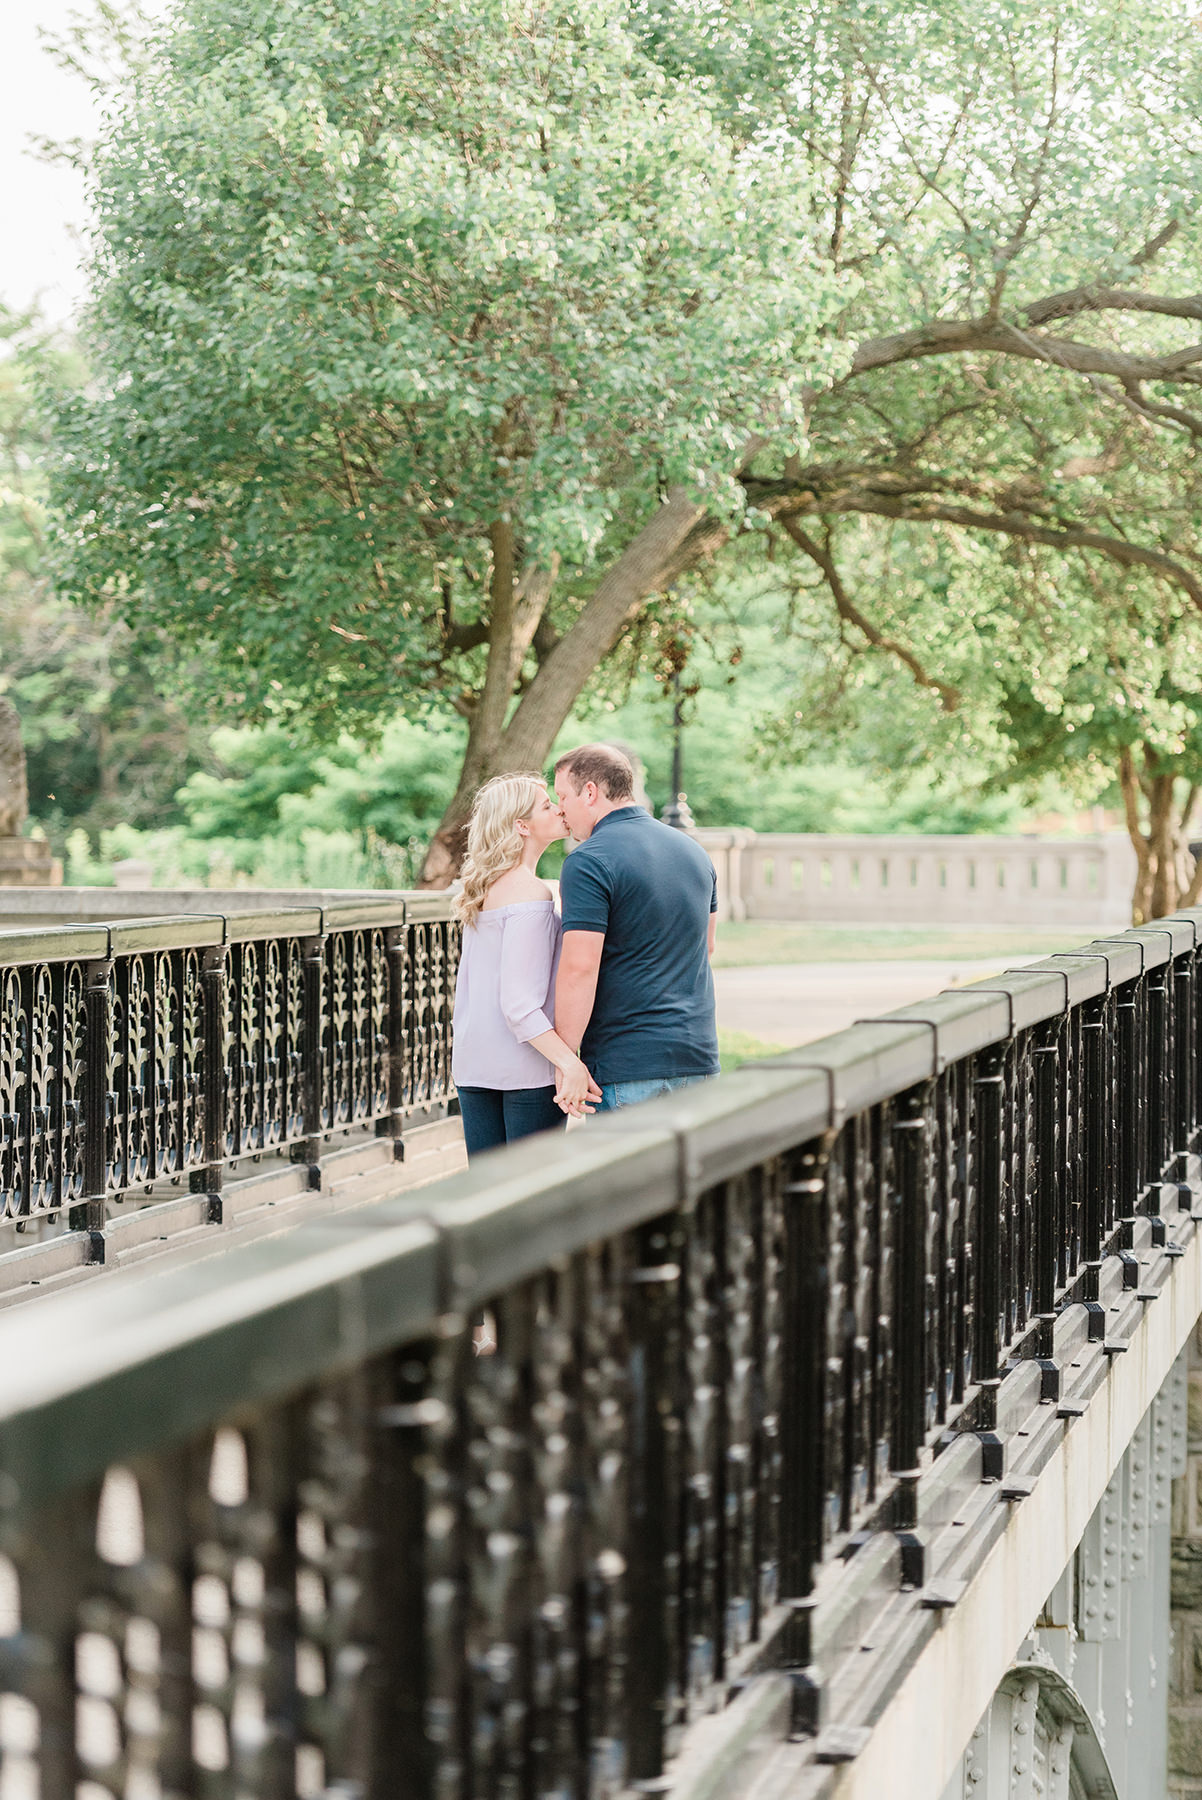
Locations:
634 992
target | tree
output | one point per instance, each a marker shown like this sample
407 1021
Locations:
432 348
1147 724
1036 671
104 716
411 322
1044 400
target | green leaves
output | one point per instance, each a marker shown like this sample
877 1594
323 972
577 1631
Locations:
344 249
374 281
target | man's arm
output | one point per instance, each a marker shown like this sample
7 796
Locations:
576 984
712 934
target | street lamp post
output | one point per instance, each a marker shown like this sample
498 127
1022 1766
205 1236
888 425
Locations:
676 812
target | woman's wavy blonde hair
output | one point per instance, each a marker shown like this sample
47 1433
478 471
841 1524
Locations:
494 843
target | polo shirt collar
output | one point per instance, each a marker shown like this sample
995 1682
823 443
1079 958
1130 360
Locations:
619 812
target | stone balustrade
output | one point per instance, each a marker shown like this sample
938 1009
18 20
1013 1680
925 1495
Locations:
1085 881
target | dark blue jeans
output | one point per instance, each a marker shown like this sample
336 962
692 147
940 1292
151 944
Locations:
493 1116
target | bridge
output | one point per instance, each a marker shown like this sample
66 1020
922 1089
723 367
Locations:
823 1443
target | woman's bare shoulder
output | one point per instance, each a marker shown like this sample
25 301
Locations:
514 887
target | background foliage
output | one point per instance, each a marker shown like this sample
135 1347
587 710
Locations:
476 365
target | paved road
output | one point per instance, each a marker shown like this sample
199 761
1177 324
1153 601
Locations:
795 1003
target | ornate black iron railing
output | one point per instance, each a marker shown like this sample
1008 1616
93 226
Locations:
337 1552
171 1047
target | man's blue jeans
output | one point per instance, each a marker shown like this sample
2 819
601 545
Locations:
628 1093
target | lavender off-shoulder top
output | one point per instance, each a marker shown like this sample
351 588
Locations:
505 995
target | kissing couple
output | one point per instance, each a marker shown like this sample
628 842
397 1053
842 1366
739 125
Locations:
611 1004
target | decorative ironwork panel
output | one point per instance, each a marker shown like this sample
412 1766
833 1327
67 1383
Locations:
913 1301
516 1558
653 1532
263 1052
1019 1192
67 1120
1131 1076
243 1050
861 1202
831 1217
358 1002
41 1077
768 1306
699 1410
1160 1064
1095 1127
736 1316
430 964
883 1259
14 1094
444 1464
155 1069
181 1083
556 1622
501 1575
961 1128
952 1275
131 1074
602 1388
1185 1029
340 1027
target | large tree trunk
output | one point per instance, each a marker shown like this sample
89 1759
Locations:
650 562
1159 807
14 793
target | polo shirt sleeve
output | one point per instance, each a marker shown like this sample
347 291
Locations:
584 893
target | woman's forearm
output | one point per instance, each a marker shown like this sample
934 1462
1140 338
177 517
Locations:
552 1046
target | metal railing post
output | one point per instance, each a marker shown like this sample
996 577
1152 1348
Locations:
1161 1067
1130 1085
1095 1148
396 953
1046 1058
90 1213
653 1546
1184 1039
209 1179
313 1080
803 1434
911 1304
989 1089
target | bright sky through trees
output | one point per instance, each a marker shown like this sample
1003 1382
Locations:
45 206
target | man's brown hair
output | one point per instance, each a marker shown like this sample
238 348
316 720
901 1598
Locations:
600 763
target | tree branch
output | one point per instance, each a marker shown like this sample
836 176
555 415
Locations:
1065 537
643 568
947 337
1111 299
458 639
1129 783
1137 401
949 697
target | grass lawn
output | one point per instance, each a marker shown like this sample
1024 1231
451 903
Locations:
759 943
735 1047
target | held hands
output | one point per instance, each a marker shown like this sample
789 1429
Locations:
575 1089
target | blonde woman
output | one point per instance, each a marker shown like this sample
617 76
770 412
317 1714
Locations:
514 1073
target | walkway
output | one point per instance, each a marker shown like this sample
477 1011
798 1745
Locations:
791 1004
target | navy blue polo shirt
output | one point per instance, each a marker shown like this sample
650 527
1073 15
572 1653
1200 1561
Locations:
651 890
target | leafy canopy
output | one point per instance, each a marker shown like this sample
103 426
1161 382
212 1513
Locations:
372 279
104 737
